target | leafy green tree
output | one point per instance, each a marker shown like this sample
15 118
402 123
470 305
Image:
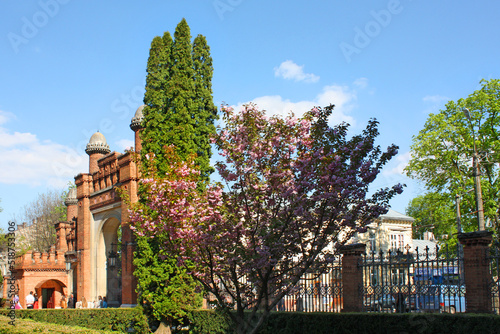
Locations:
40 215
442 153
432 212
179 112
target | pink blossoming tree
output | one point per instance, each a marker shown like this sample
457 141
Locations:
295 191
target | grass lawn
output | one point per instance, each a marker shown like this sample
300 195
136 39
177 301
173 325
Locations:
28 326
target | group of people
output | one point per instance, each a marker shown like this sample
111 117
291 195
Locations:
32 302
101 302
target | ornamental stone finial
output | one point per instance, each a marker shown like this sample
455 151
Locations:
136 122
97 144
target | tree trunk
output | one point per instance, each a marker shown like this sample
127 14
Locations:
163 329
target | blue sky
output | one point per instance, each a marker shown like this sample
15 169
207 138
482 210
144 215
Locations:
70 68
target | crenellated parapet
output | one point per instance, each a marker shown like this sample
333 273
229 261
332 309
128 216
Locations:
46 261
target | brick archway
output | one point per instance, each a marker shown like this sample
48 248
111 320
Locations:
50 292
109 279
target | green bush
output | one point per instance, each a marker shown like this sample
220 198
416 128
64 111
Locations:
111 319
349 323
214 322
209 322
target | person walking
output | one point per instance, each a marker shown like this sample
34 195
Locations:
64 304
35 304
84 302
71 301
30 300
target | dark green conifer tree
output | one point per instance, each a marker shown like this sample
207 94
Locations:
179 111
206 110
156 98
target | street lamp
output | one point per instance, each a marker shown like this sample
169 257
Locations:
68 265
477 180
112 257
70 257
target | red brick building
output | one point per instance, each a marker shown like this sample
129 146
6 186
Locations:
95 235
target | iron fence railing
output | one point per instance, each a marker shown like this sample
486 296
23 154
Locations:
313 293
428 281
494 288
316 293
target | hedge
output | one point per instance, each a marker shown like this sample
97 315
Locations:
213 322
350 323
110 319
22 326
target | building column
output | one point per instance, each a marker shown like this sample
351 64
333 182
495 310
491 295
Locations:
477 271
352 277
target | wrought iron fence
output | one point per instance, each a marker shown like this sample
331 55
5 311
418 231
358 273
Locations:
313 293
494 258
428 281
316 293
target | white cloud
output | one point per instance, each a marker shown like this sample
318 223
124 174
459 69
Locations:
27 160
291 71
125 144
435 99
341 96
5 116
361 83
434 103
400 161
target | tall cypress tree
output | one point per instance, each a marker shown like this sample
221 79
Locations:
156 98
179 105
206 110
179 111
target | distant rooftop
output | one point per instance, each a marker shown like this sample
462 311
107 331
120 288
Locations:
394 215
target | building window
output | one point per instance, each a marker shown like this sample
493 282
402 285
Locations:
397 242
373 246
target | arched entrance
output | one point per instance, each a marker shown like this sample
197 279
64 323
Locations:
49 293
109 275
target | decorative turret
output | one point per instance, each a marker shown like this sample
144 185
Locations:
136 126
71 203
96 149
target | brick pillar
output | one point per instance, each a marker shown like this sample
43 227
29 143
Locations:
83 234
476 270
128 178
352 277
62 244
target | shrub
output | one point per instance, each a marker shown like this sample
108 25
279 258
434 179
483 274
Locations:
110 319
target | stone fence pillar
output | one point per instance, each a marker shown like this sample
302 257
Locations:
476 271
352 277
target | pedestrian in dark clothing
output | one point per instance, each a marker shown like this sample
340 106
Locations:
104 302
71 301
